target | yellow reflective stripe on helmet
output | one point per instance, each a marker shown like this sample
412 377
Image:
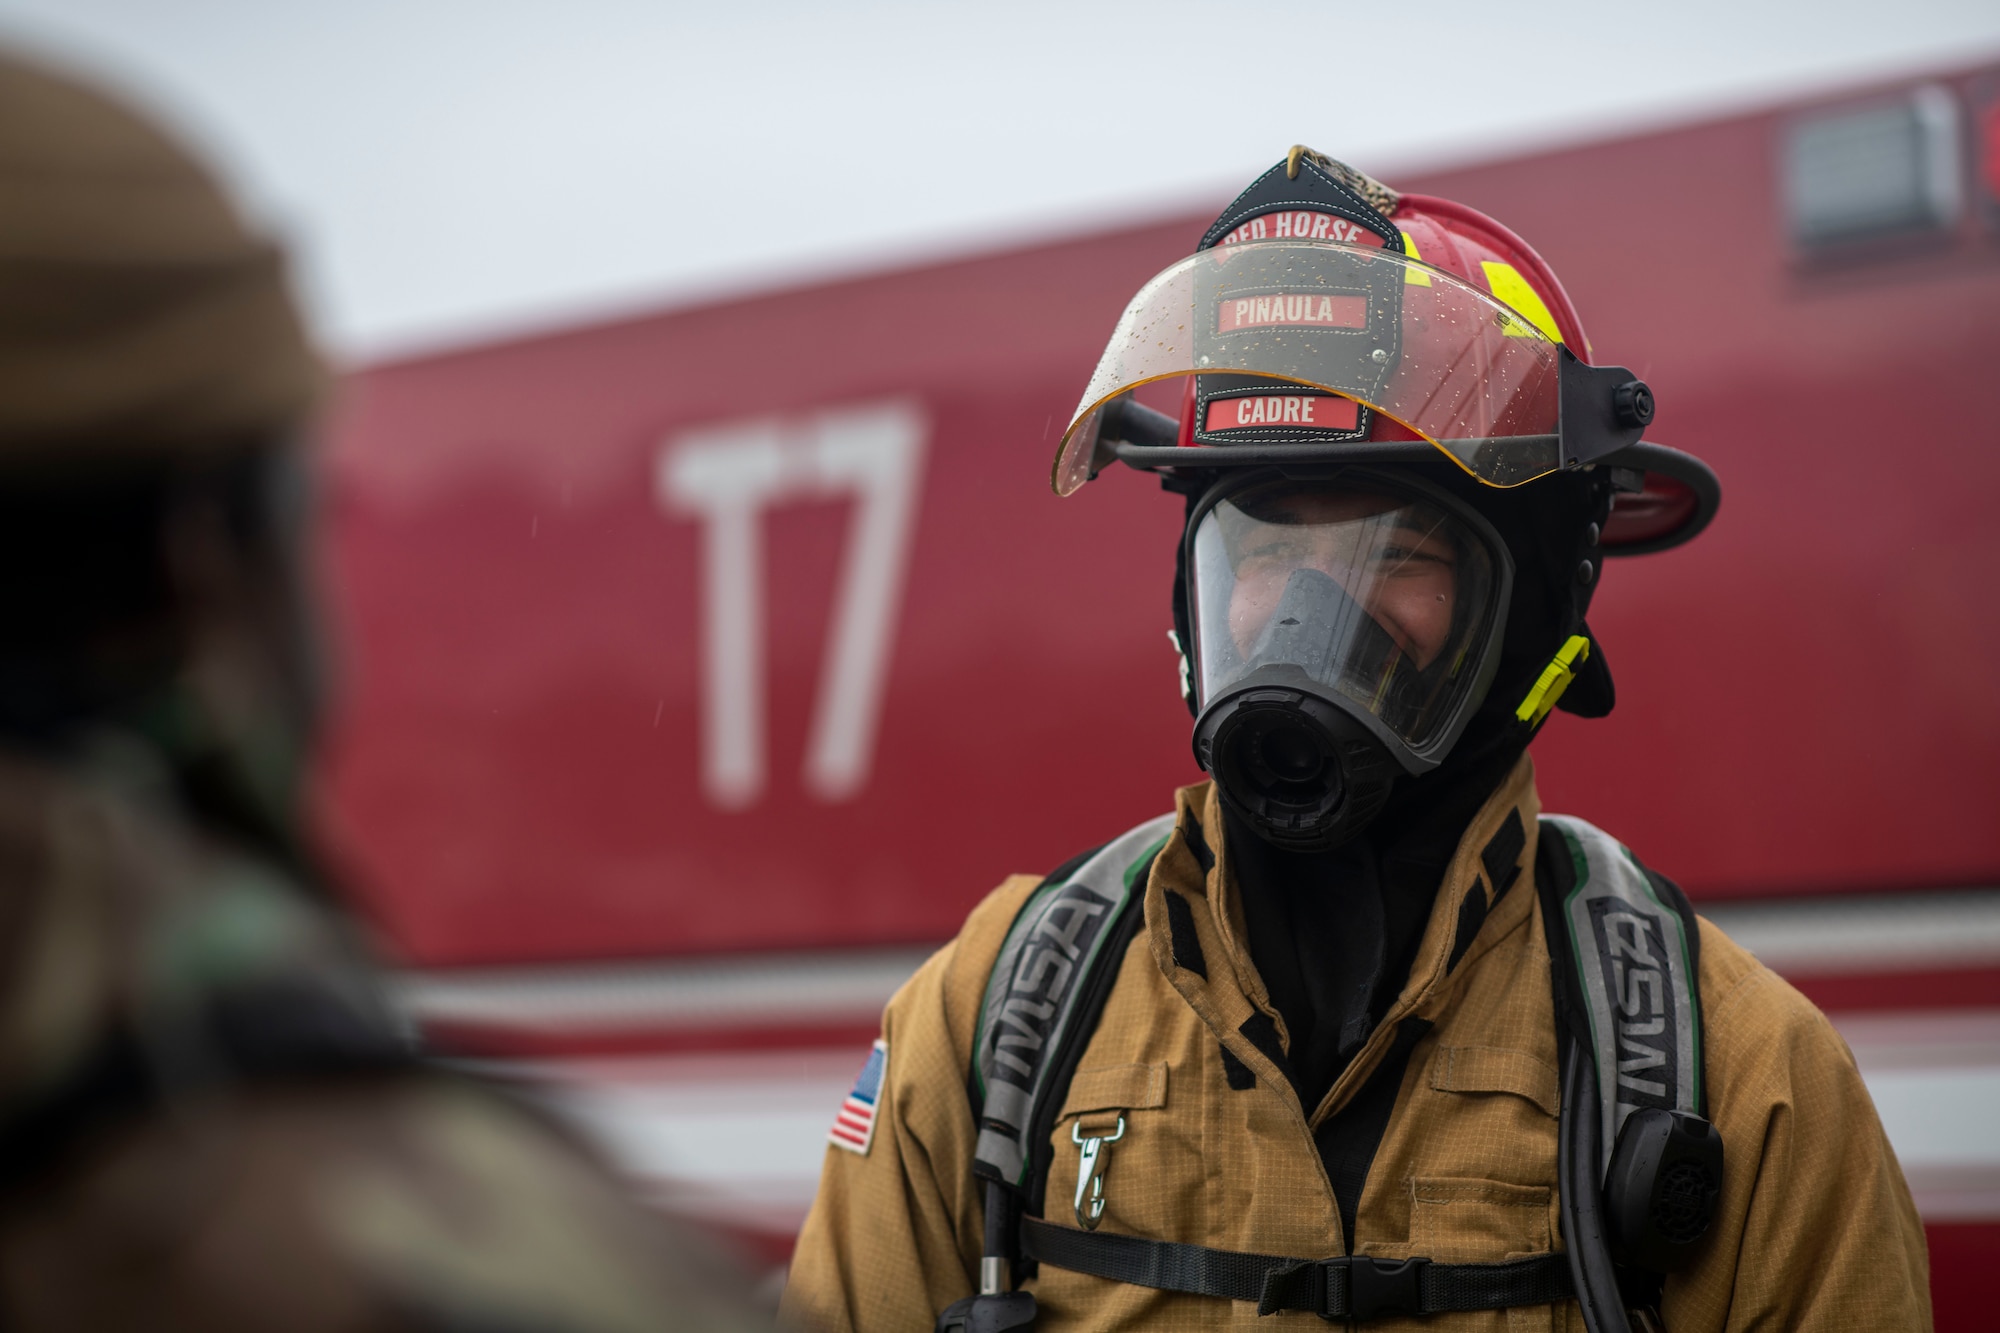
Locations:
1509 286
1413 277
1555 678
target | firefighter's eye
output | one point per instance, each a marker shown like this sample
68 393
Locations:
1273 550
1419 552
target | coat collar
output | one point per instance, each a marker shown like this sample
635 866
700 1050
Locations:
1201 942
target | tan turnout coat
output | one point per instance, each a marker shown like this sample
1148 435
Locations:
1816 1229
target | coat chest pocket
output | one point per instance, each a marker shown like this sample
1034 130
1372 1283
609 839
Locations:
1112 1088
1477 1069
1489 1113
1484 1222
1496 1119
1111 1145
1466 1221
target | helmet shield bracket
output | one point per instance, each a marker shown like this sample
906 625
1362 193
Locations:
1604 409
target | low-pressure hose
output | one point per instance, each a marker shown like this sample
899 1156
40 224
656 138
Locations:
995 1309
1578 1169
994 1274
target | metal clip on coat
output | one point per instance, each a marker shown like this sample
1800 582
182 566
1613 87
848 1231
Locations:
1090 1172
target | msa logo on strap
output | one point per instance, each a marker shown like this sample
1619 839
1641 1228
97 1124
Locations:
1638 981
1632 950
1025 1018
854 1125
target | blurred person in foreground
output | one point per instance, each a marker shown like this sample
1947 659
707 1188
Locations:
209 1118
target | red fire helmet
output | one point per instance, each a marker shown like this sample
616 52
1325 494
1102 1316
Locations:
1326 318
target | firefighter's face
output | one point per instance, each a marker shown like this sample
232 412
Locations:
1400 569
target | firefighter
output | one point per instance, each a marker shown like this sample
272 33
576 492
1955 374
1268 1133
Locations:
1355 1032
209 1117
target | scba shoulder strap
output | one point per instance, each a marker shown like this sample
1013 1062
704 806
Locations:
1628 969
1625 953
1043 997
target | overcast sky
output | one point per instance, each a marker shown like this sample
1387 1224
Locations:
457 170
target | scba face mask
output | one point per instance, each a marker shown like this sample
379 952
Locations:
1344 631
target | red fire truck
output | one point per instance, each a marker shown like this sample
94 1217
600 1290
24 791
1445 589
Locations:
704 668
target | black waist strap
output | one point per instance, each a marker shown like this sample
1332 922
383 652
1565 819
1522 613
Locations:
1359 1288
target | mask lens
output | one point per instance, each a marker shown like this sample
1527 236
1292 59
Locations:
1381 599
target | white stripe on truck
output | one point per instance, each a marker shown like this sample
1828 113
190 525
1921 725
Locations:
1805 936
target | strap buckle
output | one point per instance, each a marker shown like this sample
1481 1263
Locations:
1376 1287
1373 1288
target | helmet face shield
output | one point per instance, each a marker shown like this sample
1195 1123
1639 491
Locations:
1380 597
1419 345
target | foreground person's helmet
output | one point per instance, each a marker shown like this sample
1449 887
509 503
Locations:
142 322
1393 445
155 384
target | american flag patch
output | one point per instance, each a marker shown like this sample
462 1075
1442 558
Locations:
854 1128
